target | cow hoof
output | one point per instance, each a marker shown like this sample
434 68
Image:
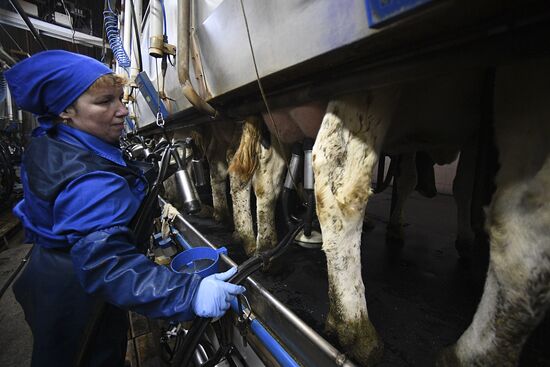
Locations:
447 358
236 238
206 212
363 345
249 248
249 245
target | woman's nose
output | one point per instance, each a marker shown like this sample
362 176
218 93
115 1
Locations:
122 110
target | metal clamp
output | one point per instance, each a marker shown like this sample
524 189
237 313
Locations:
160 119
244 319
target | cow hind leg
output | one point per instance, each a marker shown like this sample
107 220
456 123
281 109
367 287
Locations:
517 289
243 163
463 185
242 216
216 155
343 157
406 181
267 182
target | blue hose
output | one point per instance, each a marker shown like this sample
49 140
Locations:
110 19
3 87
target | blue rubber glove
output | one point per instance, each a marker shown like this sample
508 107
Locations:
214 294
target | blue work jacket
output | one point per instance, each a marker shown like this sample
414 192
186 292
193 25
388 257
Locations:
80 195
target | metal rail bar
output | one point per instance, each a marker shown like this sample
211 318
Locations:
300 340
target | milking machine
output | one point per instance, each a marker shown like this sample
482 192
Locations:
310 236
259 330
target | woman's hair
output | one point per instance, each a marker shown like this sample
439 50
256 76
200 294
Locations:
109 80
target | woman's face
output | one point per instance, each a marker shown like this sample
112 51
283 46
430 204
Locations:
99 112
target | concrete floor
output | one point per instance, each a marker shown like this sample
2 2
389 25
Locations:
15 335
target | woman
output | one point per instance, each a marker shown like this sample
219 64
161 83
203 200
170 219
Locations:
80 196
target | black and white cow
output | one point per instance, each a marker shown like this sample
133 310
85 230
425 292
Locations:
444 110
440 112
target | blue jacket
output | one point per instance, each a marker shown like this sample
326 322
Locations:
79 198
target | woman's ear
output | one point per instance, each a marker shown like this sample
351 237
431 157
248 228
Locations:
68 113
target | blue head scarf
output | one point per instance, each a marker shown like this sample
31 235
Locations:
48 82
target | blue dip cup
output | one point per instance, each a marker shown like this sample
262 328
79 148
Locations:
203 261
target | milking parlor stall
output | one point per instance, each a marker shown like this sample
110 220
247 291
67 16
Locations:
378 170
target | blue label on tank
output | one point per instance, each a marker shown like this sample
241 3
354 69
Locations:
382 11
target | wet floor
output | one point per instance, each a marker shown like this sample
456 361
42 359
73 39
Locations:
420 295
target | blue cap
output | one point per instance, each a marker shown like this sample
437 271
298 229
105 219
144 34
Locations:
50 81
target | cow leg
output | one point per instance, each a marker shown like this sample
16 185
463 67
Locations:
267 182
344 155
463 185
217 160
242 216
241 187
406 182
517 289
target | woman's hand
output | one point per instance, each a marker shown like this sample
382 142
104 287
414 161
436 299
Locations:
214 295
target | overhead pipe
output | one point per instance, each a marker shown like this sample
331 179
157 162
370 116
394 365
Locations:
29 24
156 34
184 16
127 21
127 17
195 54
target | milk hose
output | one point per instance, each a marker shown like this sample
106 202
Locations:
183 356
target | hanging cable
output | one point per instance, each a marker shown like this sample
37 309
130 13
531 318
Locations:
163 17
70 22
262 92
14 42
137 36
110 20
145 16
29 24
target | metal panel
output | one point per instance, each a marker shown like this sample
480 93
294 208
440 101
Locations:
319 48
283 34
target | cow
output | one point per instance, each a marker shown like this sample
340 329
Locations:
439 112
406 180
444 109
258 165
217 142
236 150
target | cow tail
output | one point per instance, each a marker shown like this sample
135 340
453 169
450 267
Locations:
245 160
199 139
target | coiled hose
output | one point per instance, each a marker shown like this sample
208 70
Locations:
110 19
